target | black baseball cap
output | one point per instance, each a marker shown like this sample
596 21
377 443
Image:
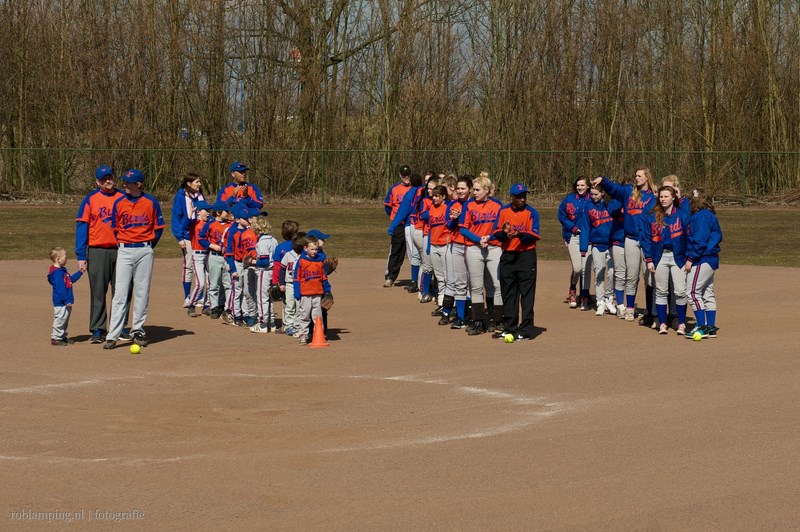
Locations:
405 170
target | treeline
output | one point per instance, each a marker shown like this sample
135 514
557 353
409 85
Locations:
328 96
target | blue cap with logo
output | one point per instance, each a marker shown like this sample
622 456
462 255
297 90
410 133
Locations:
518 189
240 211
239 167
103 171
221 206
318 234
202 205
133 176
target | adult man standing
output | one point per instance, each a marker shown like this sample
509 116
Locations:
138 223
239 190
397 249
96 247
517 229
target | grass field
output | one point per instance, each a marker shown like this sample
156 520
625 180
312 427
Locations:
757 237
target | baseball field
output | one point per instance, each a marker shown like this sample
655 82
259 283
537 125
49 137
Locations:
401 424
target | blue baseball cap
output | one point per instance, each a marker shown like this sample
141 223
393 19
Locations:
103 171
239 167
202 204
240 211
518 189
133 176
221 206
318 234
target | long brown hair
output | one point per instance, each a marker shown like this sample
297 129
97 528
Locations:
658 210
637 191
701 200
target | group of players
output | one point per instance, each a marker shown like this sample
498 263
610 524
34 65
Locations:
233 268
480 253
477 257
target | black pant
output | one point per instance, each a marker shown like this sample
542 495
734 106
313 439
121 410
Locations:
517 272
101 267
397 253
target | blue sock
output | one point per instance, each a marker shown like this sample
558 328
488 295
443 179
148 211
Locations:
711 318
630 300
426 283
414 273
620 295
700 317
461 307
681 309
585 293
200 296
661 310
187 287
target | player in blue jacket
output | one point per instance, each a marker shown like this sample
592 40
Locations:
404 217
601 213
702 260
637 200
574 228
183 213
663 240
63 298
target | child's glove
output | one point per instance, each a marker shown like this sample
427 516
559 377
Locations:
330 264
327 301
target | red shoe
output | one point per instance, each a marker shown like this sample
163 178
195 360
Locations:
572 299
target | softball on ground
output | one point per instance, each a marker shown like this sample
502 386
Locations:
135 348
508 338
697 336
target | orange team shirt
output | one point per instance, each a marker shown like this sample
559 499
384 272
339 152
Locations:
425 204
524 221
395 197
216 234
479 218
96 212
245 244
455 235
194 234
311 276
137 219
436 229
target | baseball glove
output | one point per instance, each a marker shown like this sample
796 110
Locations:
275 293
330 264
248 261
327 301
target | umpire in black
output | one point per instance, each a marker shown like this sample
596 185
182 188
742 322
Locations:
517 229
397 250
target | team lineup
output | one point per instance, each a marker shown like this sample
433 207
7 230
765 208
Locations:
474 256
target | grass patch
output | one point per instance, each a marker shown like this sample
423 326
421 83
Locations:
751 236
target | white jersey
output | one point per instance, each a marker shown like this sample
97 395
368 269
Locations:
265 247
288 263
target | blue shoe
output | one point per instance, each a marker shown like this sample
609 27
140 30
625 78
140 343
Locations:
289 331
98 336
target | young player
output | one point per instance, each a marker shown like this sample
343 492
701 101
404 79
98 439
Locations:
289 228
637 200
517 230
572 215
601 212
421 239
198 249
310 284
456 273
286 282
483 256
234 254
265 248
321 238
137 221
663 240
704 236
219 282
435 219
63 298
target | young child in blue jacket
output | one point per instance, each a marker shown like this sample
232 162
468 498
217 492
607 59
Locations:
63 298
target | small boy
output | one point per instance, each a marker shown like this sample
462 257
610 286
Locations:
310 284
286 284
265 247
289 229
219 282
63 298
199 256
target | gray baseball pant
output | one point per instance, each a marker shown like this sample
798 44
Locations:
134 267
456 271
480 261
603 274
219 282
665 270
60 321
701 287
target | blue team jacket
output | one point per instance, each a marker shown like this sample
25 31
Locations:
634 210
61 281
572 215
601 222
703 238
655 239
180 217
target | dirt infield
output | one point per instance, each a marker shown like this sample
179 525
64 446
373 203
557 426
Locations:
400 423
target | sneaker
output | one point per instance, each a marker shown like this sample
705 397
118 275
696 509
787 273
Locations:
601 308
491 326
458 323
499 335
238 322
663 329
426 298
186 302
388 283
647 321
444 320
249 321
303 340
572 299
58 341
140 339
621 312
215 314
438 312
710 332
191 312
126 335
206 311
629 314
690 333
200 303
413 289
289 331
476 328
227 318
297 334
681 329
584 303
521 338
98 336
110 344
611 307
259 328
69 341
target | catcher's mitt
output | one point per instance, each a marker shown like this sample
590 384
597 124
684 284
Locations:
248 261
327 301
275 292
330 264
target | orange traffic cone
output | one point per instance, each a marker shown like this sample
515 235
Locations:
319 334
